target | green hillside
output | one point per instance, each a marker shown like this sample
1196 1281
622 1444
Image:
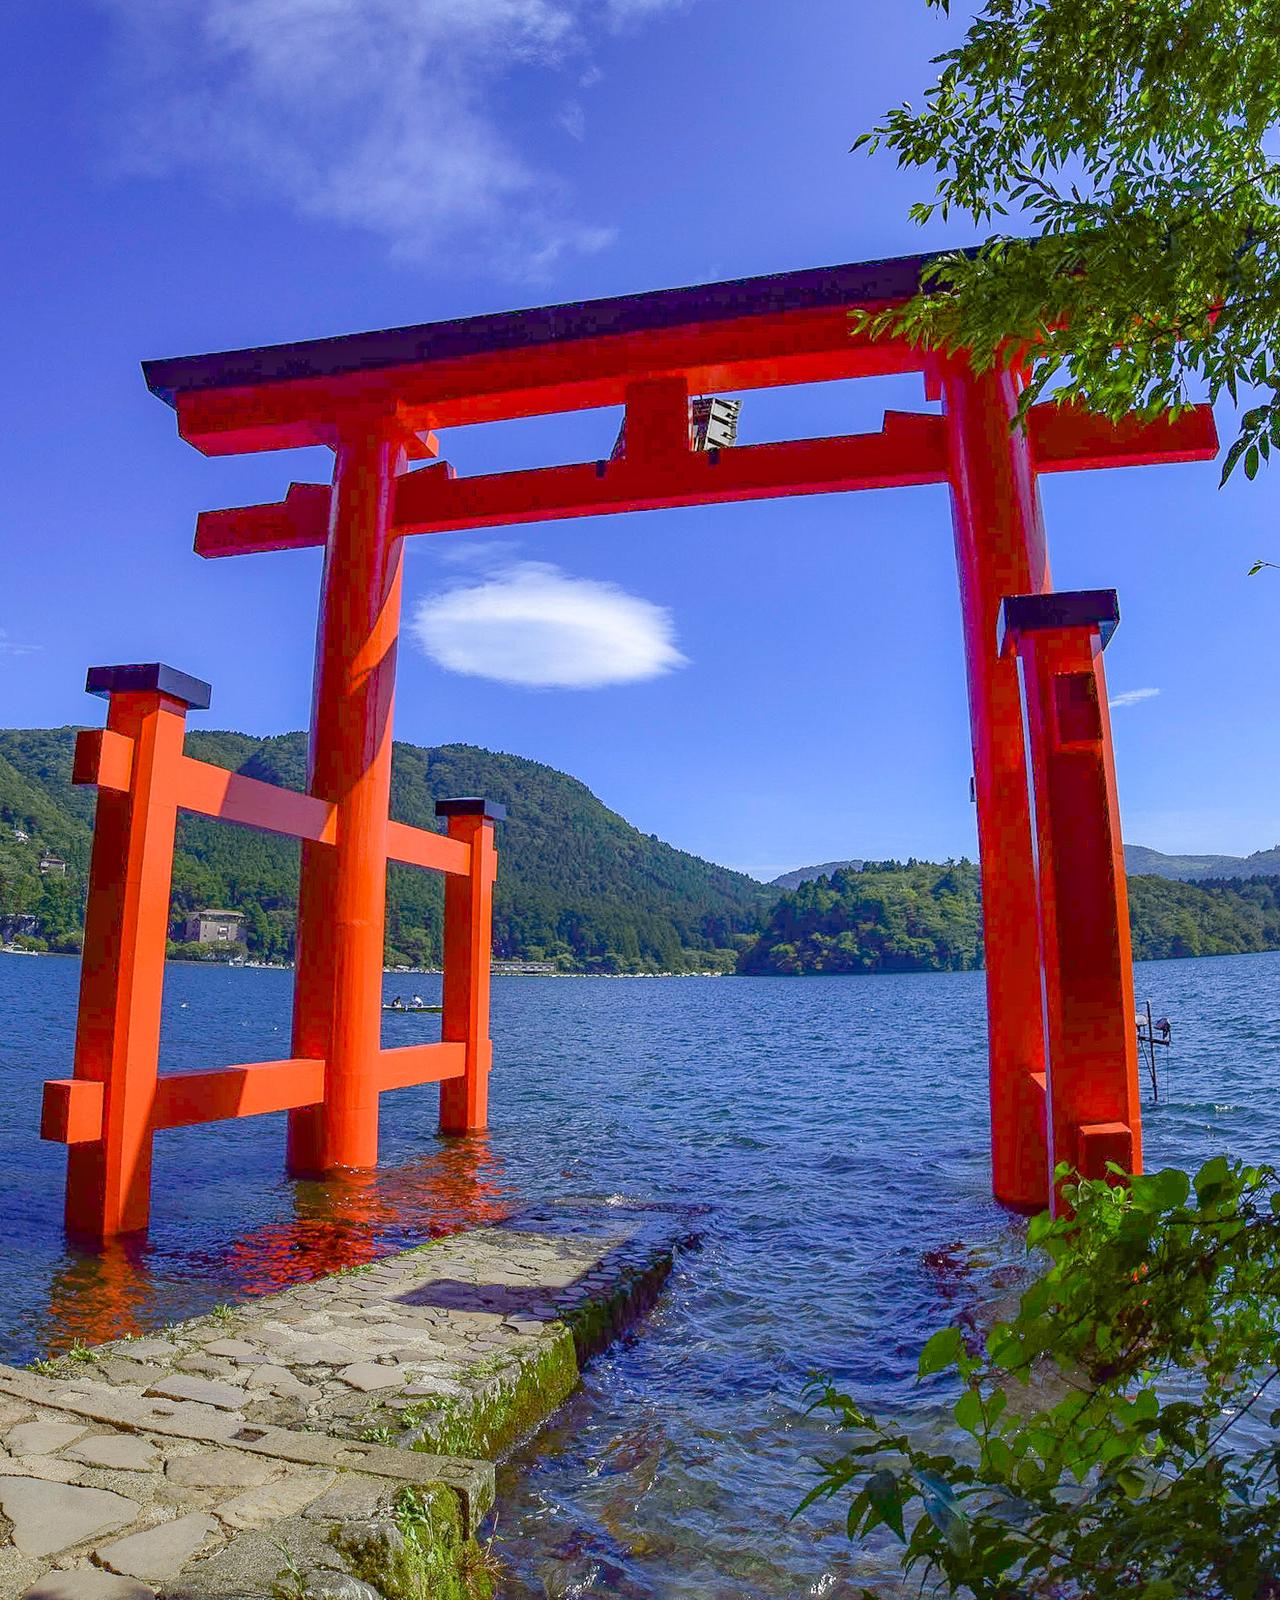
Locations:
922 917
578 885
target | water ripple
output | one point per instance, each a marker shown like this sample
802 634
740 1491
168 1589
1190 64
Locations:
832 1130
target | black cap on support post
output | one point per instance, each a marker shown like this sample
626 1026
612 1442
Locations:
492 810
151 677
1069 608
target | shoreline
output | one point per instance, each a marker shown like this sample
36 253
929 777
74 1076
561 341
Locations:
428 972
390 972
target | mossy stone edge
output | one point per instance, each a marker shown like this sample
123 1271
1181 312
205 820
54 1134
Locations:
424 1552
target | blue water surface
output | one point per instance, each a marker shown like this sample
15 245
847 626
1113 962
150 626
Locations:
833 1130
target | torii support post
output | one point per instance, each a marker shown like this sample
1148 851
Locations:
1000 550
105 1110
468 945
342 899
118 1099
1094 1112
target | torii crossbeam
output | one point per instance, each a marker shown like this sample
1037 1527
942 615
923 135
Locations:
1062 1058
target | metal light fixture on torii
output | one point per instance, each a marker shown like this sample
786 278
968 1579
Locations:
1062 1057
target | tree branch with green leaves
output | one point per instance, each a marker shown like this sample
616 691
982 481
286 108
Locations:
1126 151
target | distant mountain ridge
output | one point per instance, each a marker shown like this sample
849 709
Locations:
793 880
1139 860
579 887
921 916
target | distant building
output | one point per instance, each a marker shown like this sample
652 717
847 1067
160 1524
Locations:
214 927
20 836
523 969
52 866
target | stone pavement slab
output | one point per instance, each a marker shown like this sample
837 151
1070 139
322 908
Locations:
161 1551
48 1518
87 1583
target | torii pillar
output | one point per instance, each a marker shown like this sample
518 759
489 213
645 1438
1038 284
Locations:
342 904
1000 550
1055 642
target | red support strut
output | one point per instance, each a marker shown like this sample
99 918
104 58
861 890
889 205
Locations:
109 1100
108 1113
468 942
1094 1112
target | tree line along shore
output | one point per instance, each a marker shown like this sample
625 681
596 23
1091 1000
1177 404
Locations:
580 889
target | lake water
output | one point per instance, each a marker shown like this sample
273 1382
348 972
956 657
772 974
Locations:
834 1130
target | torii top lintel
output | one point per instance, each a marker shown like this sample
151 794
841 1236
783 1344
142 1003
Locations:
648 352
746 333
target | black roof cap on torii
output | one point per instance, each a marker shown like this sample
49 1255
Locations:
857 283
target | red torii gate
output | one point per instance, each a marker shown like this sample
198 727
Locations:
1060 1004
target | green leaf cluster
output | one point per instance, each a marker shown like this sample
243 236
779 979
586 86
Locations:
1133 140
1120 1429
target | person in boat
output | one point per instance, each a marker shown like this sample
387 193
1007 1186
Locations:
397 1004
418 1002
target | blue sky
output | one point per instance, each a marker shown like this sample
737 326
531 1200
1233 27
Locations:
185 175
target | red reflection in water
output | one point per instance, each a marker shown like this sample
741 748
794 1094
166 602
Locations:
358 1217
93 1298
343 1222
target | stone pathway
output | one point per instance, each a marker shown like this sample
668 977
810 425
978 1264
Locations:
317 1443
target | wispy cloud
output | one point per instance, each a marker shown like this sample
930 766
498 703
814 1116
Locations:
478 555
13 647
534 625
1131 697
572 119
386 115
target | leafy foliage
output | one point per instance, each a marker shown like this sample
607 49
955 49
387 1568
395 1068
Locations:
1134 138
1120 1429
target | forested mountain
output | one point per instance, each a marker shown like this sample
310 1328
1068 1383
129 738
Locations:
1216 917
1138 859
577 884
886 917
921 917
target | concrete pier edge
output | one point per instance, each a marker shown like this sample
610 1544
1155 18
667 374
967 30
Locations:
332 1441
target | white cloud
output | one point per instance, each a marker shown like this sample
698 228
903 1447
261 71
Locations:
1132 697
534 625
12 647
386 115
